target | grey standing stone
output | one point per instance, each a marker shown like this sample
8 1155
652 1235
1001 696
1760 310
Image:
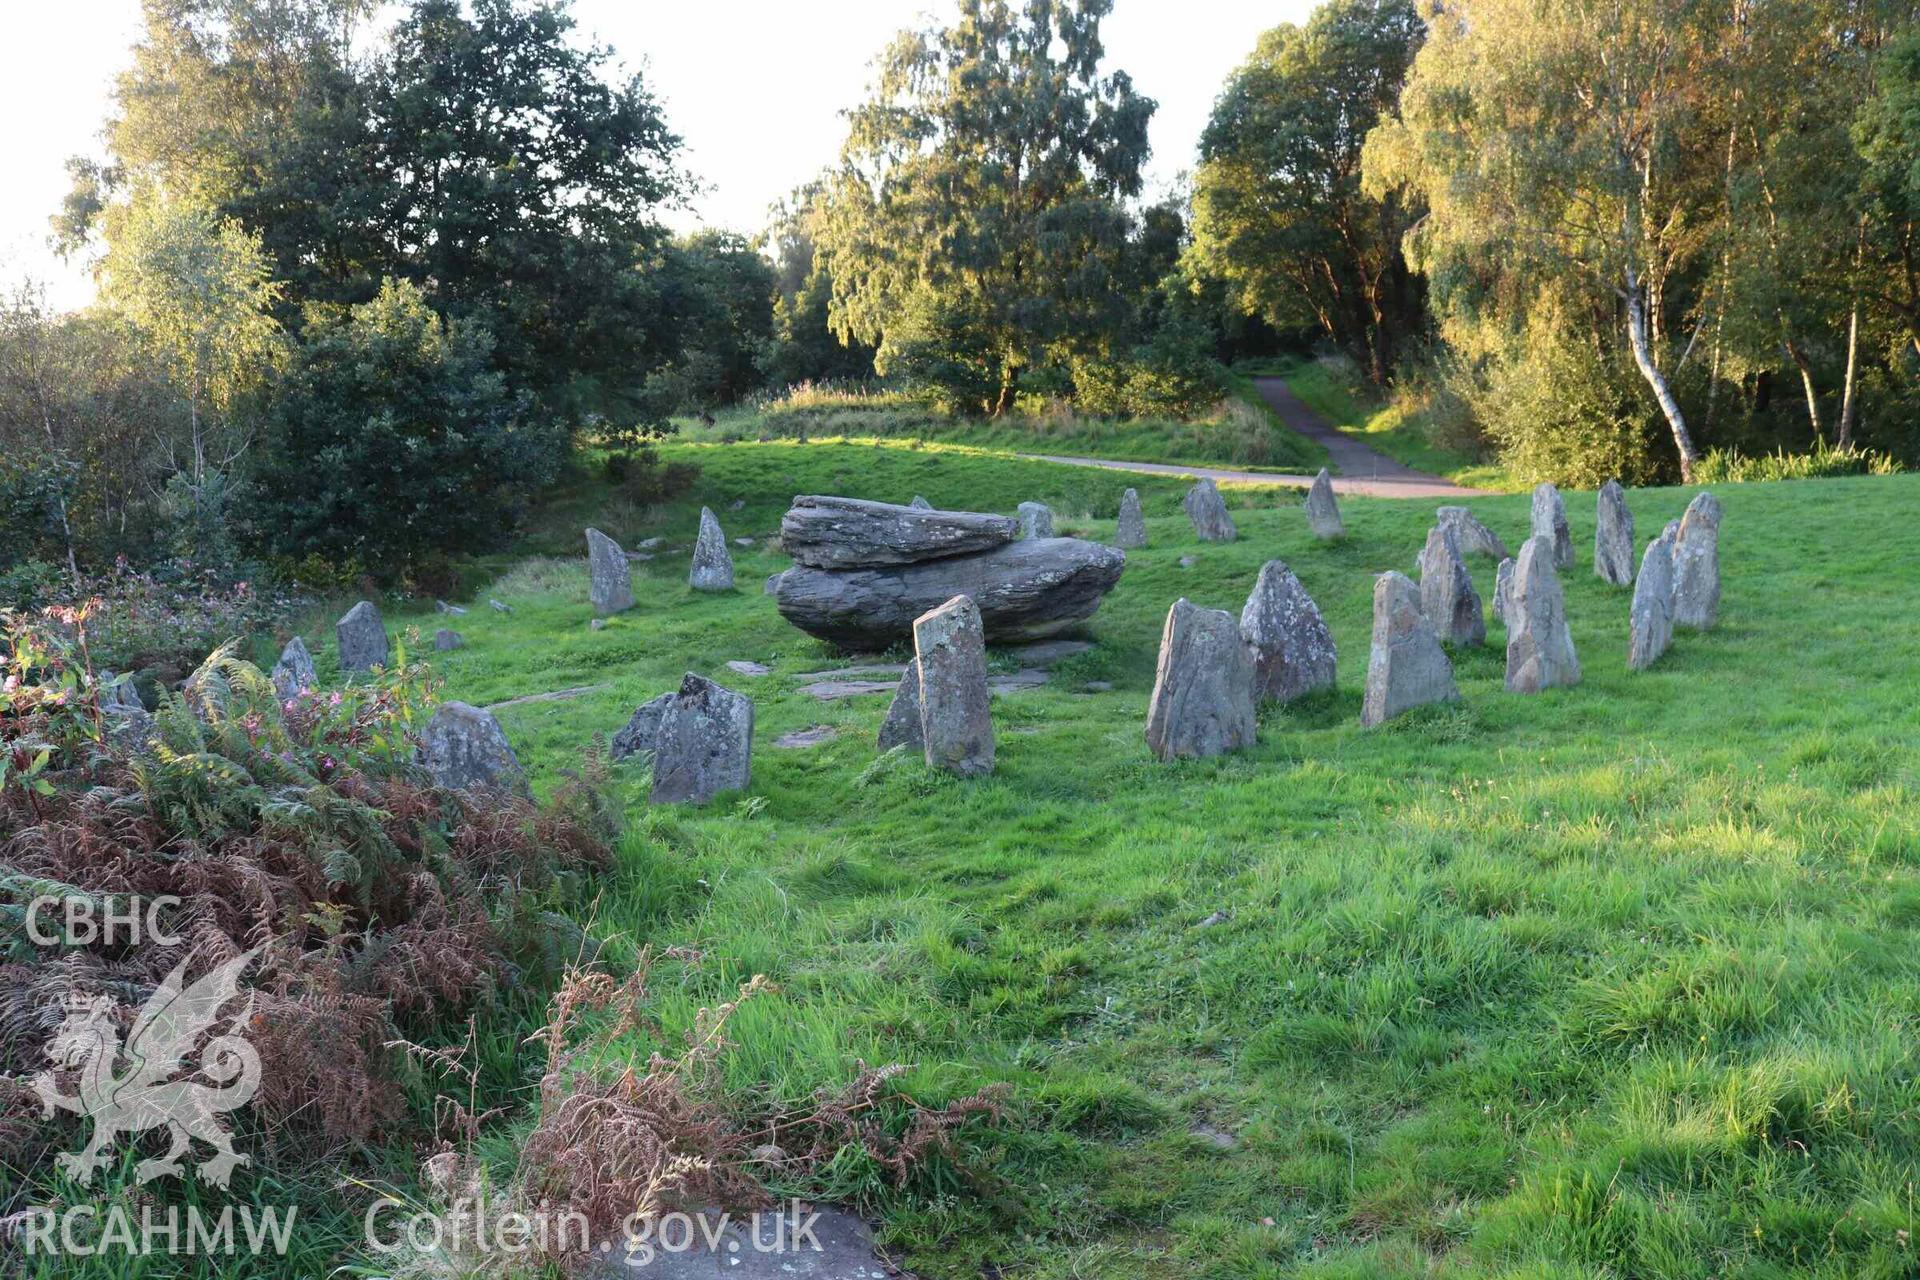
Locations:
1406 666
712 563
1550 521
956 721
1613 536
294 673
901 728
1203 699
1292 648
609 578
1323 511
704 745
920 504
1696 565
1503 592
1208 511
1475 539
1446 591
1131 531
444 640
641 730
1036 520
1539 645
1650 626
463 746
362 635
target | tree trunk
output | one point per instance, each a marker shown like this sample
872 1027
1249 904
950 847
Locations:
1643 357
1849 400
1805 366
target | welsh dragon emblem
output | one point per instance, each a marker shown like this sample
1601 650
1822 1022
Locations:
130 1089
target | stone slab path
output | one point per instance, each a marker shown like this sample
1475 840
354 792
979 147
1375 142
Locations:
1357 467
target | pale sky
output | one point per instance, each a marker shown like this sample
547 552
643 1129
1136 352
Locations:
755 87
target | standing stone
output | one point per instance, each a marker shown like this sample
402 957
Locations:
955 718
1132 529
1293 651
704 745
1503 592
1539 645
1550 521
1475 539
1203 700
641 731
1406 667
1613 536
1446 591
362 636
901 728
609 578
463 746
712 562
1036 520
1650 627
1208 511
444 640
956 725
294 674
920 504
1696 565
1323 512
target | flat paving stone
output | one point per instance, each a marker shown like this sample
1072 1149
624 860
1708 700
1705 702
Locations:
811 737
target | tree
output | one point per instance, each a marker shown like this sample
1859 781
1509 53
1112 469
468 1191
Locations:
1888 134
975 223
1278 208
805 346
390 439
719 292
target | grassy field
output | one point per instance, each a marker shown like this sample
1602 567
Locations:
1616 981
1240 431
1387 427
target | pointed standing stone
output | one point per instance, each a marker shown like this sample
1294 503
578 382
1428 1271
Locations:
1131 531
956 723
1696 565
1406 667
1550 521
1650 627
294 673
464 747
704 744
920 504
1539 645
1446 591
1323 512
609 576
1036 520
1208 511
1503 592
1613 536
362 636
1293 651
1202 702
901 728
641 731
712 563
1475 539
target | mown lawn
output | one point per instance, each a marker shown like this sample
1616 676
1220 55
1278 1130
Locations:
1616 981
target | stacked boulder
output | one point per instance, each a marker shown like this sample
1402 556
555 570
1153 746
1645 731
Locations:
1203 699
865 571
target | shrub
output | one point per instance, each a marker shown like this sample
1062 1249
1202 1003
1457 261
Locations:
1721 466
1558 410
391 437
644 480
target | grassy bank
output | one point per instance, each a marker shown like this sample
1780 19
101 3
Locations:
1614 981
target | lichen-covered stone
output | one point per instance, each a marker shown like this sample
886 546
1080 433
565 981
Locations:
1539 644
294 673
712 568
464 747
1203 698
1131 529
1208 512
1696 565
1446 591
609 577
1406 667
1293 652
1613 536
362 635
1036 520
704 745
956 721
641 730
901 728
1323 509
1475 538
823 532
1550 522
1650 623
445 640
1503 591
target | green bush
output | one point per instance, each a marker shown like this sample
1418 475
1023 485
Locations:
391 438
1557 410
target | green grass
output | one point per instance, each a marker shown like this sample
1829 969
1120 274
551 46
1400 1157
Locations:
1616 981
1239 432
1390 428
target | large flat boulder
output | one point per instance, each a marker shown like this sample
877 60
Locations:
1025 590
852 533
